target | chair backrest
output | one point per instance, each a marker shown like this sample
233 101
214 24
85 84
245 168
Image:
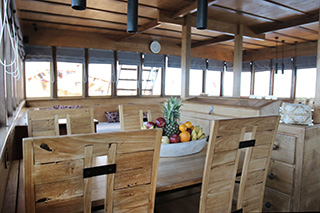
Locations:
131 115
46 125
58 171
80 121
228 138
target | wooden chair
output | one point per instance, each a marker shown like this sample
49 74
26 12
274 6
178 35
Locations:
58 171
46 125
131 115
80 121
227 139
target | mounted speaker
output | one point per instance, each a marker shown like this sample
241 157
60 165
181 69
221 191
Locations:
202 14
79 4
132 16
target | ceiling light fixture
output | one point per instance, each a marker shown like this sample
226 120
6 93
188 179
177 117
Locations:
276 67
202 14
132 16
78 4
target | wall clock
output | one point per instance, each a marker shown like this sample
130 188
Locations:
155 47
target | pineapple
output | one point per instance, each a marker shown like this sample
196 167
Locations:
171 111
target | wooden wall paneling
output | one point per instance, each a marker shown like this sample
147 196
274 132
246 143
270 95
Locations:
185 57
316 115
237 62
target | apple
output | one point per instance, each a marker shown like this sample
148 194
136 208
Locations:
189 130
160 122
174 138
150 125
165 140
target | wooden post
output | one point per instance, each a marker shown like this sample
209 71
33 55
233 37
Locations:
316 117
237 61
85 88
185 56
54 77
163 77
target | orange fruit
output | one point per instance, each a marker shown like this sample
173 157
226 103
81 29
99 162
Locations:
185 136
182 128
188 124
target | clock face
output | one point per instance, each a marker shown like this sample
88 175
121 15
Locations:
155 47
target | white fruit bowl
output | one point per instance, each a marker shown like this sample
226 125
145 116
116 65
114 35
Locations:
182 149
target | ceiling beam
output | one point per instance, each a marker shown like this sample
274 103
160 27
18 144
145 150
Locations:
293 22
213 25
212 41
145 27
189 9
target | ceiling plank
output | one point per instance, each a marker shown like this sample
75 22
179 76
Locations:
212 41
213 25
296 21
286 6
189 9
148 26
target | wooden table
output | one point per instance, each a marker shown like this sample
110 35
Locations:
178 172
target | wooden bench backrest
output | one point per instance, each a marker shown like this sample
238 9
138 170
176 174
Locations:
224 148
80 121
131 115
55 169
46 125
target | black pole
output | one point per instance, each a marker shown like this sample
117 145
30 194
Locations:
132 16
202 14
79 4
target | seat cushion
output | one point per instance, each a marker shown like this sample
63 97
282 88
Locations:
113 117
296 114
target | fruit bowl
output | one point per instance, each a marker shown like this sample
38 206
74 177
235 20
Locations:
182 149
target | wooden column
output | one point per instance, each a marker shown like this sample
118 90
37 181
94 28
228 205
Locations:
316 118
54 77
85 88
237 62
185 56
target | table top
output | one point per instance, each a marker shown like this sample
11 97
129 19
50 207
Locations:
178 172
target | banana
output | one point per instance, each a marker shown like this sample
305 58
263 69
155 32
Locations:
199 133
202 136
194 135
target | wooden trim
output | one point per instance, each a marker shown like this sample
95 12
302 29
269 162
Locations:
88 150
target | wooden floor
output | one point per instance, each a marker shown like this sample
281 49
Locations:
182 201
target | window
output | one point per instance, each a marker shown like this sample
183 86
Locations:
99 80
127 80
213 83
151 81
37 79
173 81
69 79
306 83
196 77
282 84
261 83
228 84
245 83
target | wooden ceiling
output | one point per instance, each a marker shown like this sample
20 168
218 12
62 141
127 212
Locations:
262 20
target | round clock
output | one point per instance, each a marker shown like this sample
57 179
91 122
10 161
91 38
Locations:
155 47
